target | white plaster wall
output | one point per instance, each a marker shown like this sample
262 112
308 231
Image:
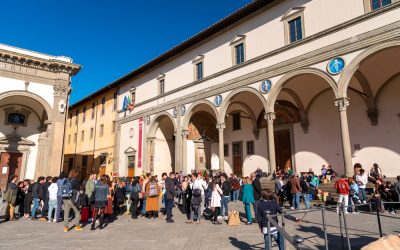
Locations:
46 91
9 84
125 142
190 157
32 157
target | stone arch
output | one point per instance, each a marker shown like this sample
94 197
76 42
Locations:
43 102
155 121
277 88
300 106
190 112
228 100
351 69
384 85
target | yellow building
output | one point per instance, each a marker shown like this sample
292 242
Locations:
90 133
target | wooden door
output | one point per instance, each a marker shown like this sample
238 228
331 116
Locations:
237 158
283 152
10 165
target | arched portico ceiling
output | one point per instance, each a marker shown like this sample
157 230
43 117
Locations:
230 100
277 88
197 106
154 124
38 99
351 69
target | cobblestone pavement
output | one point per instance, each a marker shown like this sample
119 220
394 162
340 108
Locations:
125 233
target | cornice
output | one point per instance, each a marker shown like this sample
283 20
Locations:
51 65
383 34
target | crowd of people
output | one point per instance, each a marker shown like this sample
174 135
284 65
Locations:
100 199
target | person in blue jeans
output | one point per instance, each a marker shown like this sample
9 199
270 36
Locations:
295 191
36 196
268 203
226 187
305 189
248 198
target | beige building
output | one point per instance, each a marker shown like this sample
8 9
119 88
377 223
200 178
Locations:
277 85
34 91
90 133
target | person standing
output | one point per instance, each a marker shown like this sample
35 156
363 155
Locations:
295 190
256 192
235 188
152 193
101 192
60 181
199 183
36 194
53 191
135 189
343 188
226 187
45 198
28 198
362 180
305 188
169 195
397 188
70 187
11 197
20 199
215 200
248 198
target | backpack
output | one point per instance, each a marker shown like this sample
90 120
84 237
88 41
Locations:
304 186
66 189
153 190
196 192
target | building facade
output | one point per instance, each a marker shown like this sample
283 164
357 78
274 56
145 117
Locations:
276 85
34 91
90 134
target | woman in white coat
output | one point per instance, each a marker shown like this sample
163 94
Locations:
215 200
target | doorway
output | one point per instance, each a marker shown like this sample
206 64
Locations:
10 165
237 158
283 150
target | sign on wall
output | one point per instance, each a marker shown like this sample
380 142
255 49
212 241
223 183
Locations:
335 66
129 103
217 100
265 86
183 110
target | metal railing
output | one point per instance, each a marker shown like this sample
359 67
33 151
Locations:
297 241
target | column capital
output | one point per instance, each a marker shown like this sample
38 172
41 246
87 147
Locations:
220 127
270 117
185 132
342 103
150 139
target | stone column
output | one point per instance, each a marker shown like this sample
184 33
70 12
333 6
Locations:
184 133
178 143
221 127
342 104
117 140
270 116
41 155
149 162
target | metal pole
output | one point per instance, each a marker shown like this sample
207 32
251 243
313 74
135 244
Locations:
379 218
266 213
345 226
341 229
324 227
283 226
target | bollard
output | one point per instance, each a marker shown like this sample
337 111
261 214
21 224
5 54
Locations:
298 241
324 227
344 210
377 205
283 226
341 229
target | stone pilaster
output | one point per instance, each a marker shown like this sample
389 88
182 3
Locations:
184 134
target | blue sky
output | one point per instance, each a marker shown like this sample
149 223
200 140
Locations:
109 38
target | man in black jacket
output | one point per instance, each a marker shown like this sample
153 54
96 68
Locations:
36 196
45 197
11 196
226 187
169 195
256 192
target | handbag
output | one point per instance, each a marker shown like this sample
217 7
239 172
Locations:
233 218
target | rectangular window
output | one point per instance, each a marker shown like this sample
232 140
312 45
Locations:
161 87
115 101
93 110
103 106
239 53
377 4
91 133
199 71
69 139
82 135
295 30
103 159
70 163
226 150
76 117
236 121
84 161
83 114
250 147
75 135
113 126
101 132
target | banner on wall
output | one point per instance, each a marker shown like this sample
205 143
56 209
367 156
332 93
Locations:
140 142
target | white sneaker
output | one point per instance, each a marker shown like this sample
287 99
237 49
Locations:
226 218
358 202
292 208
346 212
219 217
393 212
364 202
54 220
355 213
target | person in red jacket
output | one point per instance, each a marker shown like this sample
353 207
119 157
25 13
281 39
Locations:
343 188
